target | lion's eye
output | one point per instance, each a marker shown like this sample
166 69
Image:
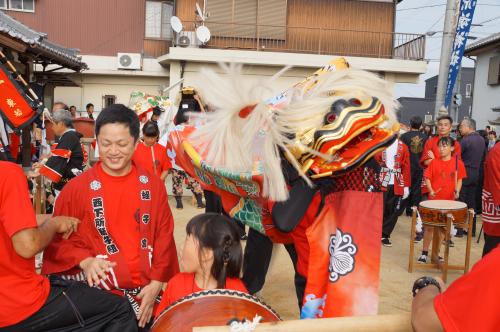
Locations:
330 118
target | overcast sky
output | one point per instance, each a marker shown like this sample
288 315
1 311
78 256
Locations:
432 19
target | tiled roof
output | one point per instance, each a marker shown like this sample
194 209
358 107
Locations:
483 42
38 42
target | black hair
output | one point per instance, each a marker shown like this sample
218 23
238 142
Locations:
445 117
118 113
416 122
219 233
488 127
156 110
150 129
89 105
446 140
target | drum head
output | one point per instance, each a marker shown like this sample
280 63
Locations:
212 308
443 205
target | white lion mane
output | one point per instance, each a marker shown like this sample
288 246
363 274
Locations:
226 140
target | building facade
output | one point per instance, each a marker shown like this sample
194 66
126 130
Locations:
486 106
424 107
130 45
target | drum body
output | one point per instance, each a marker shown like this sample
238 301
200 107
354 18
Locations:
435 212
212 308
84 126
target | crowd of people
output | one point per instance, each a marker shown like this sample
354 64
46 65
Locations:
420 166
109 249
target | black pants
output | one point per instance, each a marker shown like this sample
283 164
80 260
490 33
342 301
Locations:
258 253
74 306
415 196
469 191
393 208
490 243
213 203
468 195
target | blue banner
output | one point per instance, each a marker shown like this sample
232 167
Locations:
462 32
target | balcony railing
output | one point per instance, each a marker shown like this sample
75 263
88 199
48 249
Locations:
312 40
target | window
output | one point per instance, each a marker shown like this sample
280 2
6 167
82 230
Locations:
270 15
21 5
109 100
468 90
158 14
494 71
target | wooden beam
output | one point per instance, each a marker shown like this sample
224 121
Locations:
13 44
386 323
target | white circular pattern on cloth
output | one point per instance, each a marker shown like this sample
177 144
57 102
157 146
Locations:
95 185
342 251
143 179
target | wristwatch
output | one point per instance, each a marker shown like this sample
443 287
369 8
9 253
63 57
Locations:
424 282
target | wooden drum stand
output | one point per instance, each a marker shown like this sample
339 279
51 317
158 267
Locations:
442 218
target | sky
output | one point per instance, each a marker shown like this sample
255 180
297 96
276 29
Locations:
422 20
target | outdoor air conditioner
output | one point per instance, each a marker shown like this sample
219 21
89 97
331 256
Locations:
187 39
132 61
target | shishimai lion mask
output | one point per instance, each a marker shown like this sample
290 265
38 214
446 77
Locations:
326 125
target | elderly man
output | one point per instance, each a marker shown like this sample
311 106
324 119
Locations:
31 302
66 160
472 148
125 241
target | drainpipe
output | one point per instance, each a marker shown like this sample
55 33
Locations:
183 67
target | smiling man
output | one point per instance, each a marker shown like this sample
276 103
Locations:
125 242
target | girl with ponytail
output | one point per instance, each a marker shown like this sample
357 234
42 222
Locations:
211 258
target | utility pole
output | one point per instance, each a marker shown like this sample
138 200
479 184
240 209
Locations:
444 64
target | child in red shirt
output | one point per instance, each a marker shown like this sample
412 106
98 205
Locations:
149 154
443 178
211 258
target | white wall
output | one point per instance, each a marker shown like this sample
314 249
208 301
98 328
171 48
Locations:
485 96
93 88
252 74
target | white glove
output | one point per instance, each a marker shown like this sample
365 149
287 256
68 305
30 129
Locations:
406 192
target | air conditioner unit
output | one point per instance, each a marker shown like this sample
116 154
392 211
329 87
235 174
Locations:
131 61
187 39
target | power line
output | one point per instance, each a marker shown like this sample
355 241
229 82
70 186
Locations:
437 21
491 19
413 8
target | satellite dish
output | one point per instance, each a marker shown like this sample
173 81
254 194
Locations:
184 41
203 34
176 24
